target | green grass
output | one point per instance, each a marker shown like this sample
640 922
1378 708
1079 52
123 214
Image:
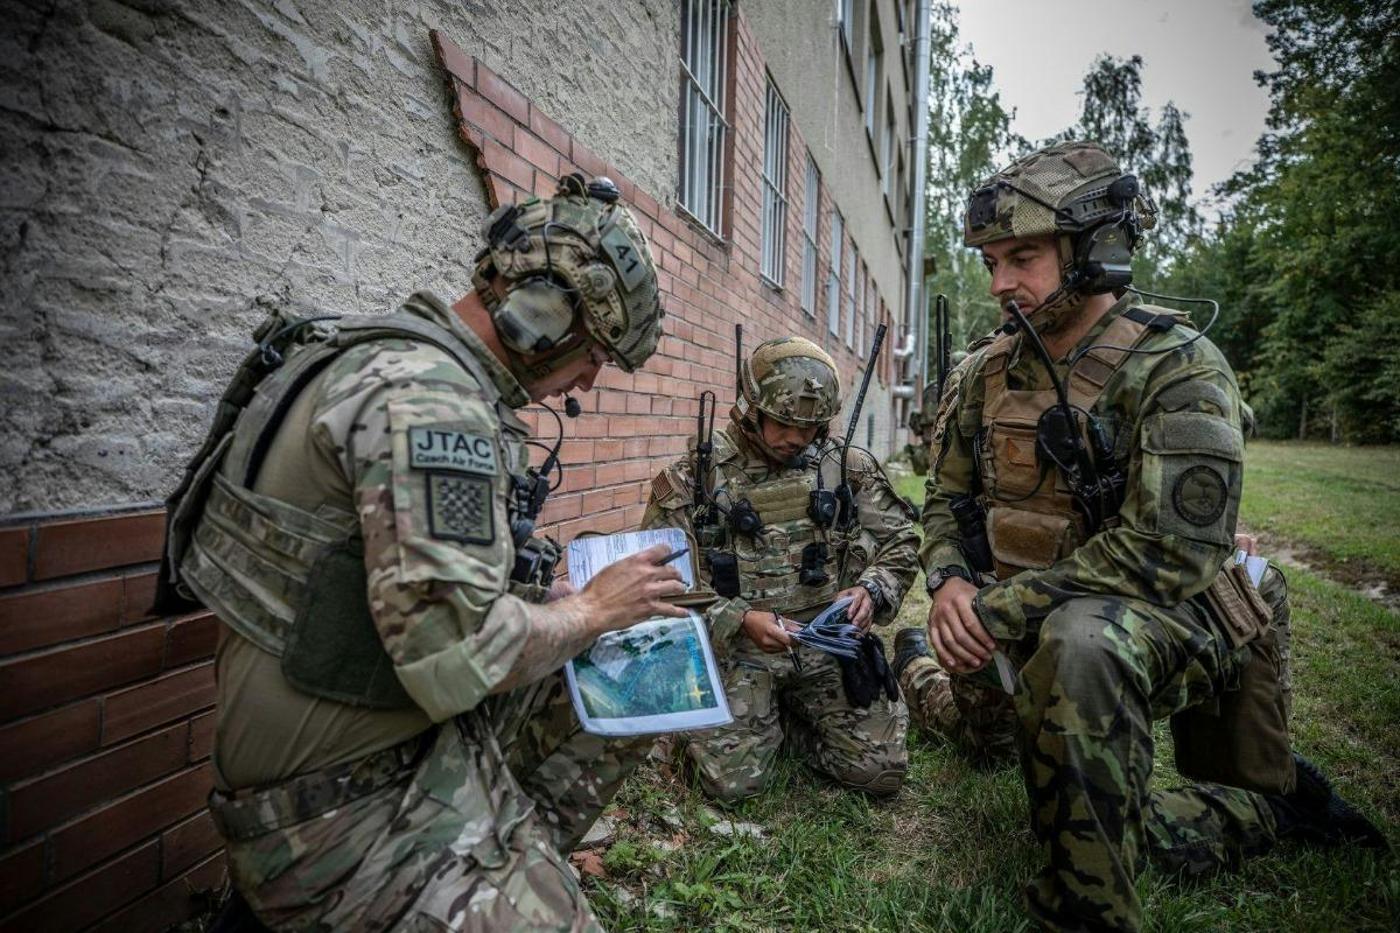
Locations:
952 850
1342 504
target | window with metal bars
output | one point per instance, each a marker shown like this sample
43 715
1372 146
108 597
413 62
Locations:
809 237
852 299
775 154
704 64
833 276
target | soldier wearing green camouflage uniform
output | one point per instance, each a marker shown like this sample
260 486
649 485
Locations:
395 746
1102 624
771 454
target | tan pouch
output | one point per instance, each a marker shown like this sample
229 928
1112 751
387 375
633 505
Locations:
1239 611
1025 540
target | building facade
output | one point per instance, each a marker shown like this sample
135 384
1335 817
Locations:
177 169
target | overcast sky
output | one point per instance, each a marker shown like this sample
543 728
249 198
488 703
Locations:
1202 54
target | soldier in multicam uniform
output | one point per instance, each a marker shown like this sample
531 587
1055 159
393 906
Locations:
395 746
1105 623
774 455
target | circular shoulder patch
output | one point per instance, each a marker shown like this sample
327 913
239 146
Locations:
1200 495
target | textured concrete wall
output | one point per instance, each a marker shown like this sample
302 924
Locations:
173 168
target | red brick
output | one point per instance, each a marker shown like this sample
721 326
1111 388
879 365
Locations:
560 508
187 843
138 593
28 747
49 800
597 501
21 875
39 681
14 556
587 162
500 93
127 821
65 548
37 619
549 131
171 697
193 893
480 112
87 899
458 63
509 166
191 639
536 151
202 736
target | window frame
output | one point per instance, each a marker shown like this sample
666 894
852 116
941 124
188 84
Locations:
811 218
833 275
703 151
773 185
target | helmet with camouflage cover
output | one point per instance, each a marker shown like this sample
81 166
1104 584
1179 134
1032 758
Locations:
573 265
791 380
1068 190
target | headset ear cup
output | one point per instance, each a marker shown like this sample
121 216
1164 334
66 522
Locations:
534 316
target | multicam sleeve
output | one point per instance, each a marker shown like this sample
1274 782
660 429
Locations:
889 521
668 506
420 447
1177 522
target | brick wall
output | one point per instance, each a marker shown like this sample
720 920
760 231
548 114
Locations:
106 723
105 711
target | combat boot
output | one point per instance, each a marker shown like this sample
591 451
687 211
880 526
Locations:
1315 813
909 643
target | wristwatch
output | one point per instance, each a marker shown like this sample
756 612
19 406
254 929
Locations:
937 578
877 598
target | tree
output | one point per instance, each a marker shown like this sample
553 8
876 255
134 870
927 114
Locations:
1308 250
969 135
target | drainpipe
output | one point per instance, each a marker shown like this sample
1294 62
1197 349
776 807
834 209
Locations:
914 300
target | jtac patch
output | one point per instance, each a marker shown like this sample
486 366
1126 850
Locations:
1200 495
445 449
459 508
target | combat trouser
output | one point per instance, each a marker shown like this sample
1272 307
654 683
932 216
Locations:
979 720
860 748
1102 671
465 827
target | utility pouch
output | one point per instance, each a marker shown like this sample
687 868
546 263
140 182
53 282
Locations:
334 650
1241 738
724 572
1024 540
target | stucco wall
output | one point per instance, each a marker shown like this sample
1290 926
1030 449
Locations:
172 168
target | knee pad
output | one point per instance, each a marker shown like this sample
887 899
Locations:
884 784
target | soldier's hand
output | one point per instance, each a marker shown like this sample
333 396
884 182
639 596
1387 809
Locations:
634 589
954 631
861 612
766 630
559 589
1247 543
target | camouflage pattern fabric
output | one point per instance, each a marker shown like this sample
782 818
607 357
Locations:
1106 659
772 702
467 831
792 380
1103 670
769 699
980 721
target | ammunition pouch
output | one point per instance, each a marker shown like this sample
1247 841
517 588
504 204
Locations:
1240 738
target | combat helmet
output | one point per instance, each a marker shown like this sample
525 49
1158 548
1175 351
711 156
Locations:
578 255
1075 192
791 380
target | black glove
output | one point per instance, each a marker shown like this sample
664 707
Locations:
868 675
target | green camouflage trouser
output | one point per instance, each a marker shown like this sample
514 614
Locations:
860 748
467 828
1103 670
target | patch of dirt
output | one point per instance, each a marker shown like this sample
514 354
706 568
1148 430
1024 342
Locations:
1361 576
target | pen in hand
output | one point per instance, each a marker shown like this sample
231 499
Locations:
673 555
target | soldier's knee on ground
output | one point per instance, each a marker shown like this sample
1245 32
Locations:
733 786
882 775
